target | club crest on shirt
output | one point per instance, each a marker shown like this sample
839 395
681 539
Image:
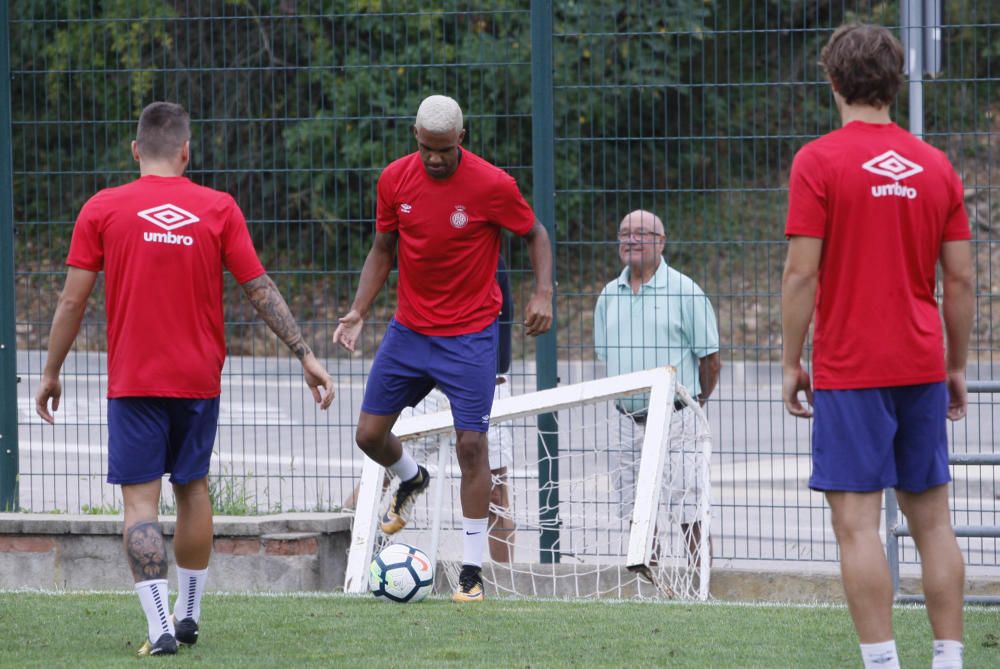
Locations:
459 219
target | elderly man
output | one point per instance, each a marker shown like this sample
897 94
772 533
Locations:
652 315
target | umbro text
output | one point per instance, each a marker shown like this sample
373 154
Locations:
894 189
168 238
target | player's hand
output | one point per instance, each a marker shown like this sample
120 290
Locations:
319 381
538 314
349 330
49 388
958 395
796 379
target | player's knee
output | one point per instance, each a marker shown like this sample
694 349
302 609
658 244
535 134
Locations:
368 440
846 527
193 496
498 495
495 498
196 488
501 525
471 450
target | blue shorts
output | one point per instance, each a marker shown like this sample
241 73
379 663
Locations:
408 365
875 438
151 436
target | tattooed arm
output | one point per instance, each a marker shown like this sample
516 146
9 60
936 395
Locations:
266 299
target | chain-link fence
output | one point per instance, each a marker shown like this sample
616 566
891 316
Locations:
692 109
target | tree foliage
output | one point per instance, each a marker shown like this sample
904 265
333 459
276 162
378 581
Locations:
298 104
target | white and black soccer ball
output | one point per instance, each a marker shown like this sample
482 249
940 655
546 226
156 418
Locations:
401 573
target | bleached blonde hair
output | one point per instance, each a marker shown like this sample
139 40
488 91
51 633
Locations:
439 113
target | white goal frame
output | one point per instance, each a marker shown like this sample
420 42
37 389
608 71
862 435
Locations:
661 385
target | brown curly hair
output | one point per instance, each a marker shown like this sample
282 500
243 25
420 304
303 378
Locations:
864 63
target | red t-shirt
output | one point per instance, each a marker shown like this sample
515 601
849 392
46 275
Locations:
883 202
162 243
449 240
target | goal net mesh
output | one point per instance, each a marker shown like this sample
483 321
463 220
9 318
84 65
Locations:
563 528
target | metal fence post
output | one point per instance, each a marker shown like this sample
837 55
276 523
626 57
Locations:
8 353
912 28
543 167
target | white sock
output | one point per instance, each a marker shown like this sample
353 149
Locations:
153 595
880 655
405 468
190 588
947 654
474 540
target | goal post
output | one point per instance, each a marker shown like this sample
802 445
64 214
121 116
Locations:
647 489
601 538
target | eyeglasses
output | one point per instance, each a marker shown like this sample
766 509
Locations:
639 235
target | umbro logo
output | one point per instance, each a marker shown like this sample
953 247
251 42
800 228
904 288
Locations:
405 208
169 217
891 164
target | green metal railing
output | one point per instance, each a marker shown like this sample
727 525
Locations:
693 110
543 153
8 367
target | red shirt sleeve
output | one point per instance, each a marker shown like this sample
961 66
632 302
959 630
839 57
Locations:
807 197
86 249
956 228
238 253
386 216
509 208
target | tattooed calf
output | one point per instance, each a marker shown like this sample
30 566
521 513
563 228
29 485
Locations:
147 551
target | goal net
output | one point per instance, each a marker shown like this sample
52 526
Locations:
601 504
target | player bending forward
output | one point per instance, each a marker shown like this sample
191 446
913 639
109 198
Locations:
442 208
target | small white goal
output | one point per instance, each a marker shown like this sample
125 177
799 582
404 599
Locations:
578 464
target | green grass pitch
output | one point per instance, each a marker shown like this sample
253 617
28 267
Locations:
104 630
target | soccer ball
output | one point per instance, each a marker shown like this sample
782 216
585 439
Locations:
401 573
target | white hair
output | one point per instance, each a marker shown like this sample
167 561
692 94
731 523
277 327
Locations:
439 113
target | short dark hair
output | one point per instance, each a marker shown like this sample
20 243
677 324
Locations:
864 63
163 129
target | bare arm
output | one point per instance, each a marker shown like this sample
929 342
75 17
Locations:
708 374
376 270
798 298
958 305
271 306
65 326
538 313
